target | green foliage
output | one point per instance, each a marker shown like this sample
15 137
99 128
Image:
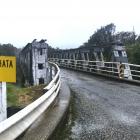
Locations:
8 50
106 35
126 38
21 97
133 49
133 52
12 97
103 36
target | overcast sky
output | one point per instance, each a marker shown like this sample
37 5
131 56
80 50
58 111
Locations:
64 23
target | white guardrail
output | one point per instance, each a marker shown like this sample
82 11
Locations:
115 69
15 125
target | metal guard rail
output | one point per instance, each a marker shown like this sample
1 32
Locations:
15 125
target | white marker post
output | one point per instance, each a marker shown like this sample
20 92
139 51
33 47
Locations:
7 74
3 101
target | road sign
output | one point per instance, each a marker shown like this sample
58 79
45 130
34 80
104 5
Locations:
7 69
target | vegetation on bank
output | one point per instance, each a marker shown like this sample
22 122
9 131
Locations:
21 97
133 52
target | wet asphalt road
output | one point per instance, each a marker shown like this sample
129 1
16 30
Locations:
106 110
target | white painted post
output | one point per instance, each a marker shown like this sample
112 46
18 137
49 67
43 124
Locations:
3 101
127 72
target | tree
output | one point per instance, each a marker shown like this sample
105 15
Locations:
138 39
103 36
133 52
126 38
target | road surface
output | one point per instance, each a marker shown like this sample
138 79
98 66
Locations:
105 110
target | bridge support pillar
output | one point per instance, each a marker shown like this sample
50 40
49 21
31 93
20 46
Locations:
3 101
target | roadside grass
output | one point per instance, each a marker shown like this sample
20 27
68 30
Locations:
21 97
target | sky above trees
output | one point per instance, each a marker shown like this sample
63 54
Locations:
64 23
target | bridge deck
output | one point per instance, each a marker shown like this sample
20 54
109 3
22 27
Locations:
104 109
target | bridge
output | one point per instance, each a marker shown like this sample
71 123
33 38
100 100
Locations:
104 94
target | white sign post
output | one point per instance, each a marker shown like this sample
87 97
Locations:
3 101
7 74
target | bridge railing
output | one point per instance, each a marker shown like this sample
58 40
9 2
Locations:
133 70
115 69
15 125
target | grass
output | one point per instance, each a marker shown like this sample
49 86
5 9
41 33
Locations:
21 97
